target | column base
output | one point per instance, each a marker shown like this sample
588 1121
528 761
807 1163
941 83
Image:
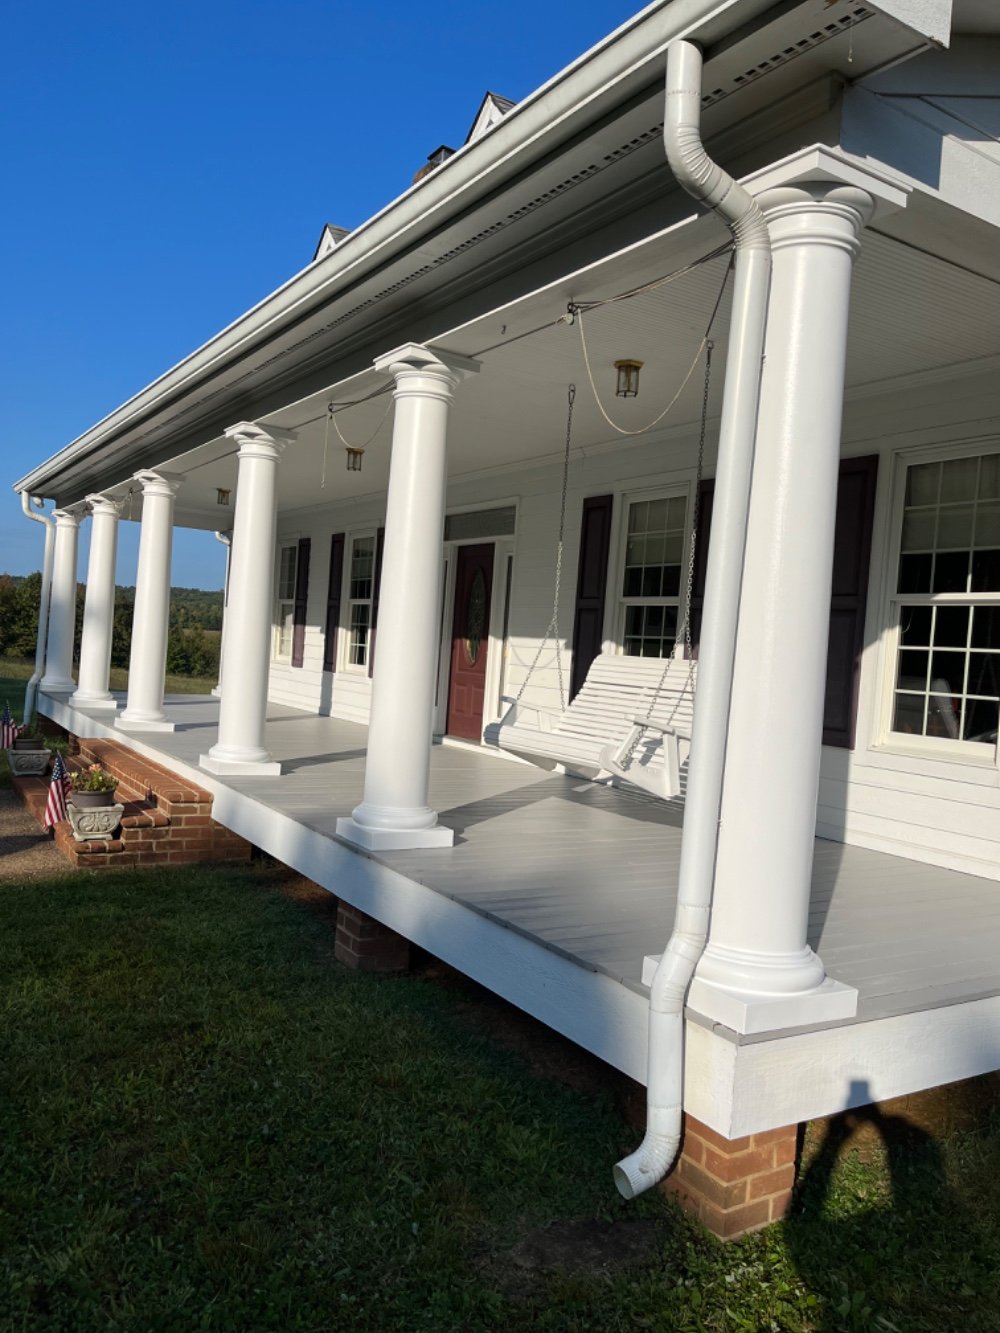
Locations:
104 701
216 693
393 840
57 685
245 768
746 1011
125 722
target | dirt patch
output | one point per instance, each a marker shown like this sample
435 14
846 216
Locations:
25 851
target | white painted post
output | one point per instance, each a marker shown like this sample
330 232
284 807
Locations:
240 748
148 659
58 678
99 607
226 538
394 812
758 971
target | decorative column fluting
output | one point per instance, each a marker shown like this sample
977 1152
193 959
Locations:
758 971
395 811
58 678
150 621
240 748
99 607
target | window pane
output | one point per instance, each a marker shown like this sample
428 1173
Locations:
909 714
943 716
951 626
650 631
362 566
922 484
984 674
989 477
948 672
915 573
359 628
988 525
951 571
654 548
915 625
913 670
986 627
286 627
986 571
955 528
980 722
958 479
918 529
286 573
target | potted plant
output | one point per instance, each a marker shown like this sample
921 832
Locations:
92 787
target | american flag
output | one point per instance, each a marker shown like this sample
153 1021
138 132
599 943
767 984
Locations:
8 728
59 790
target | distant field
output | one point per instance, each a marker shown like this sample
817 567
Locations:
15 673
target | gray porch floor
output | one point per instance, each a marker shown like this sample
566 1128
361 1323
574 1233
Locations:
591 872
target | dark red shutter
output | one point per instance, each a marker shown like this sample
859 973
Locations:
301 597
706 499
591 586
851 556
333 592
379 543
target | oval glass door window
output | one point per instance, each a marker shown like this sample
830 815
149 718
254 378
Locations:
475 617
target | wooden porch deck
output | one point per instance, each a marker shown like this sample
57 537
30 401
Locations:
590 873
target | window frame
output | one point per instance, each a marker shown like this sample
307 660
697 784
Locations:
347 602
981 755
618 603
284 544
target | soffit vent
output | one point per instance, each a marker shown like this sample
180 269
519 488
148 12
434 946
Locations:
835 28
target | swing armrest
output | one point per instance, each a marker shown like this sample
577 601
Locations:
647 724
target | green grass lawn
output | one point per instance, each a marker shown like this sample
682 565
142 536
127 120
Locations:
14 676
206 1123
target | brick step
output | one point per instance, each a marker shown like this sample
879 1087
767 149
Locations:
166 820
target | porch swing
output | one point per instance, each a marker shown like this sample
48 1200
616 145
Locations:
632 717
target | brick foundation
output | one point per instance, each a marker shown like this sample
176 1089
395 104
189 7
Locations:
734 1186
166 821
366 945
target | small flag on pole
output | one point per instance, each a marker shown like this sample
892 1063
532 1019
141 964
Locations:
59 790
9 729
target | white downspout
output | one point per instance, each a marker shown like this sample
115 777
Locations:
39 516
708 183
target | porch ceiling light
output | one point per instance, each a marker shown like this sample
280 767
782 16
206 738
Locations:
222 496
628 378
354 457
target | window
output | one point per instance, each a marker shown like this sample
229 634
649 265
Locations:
651 575
361 583
284 615
946 676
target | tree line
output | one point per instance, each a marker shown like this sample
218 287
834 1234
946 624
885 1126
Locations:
192 644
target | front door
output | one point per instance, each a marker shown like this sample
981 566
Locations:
470 640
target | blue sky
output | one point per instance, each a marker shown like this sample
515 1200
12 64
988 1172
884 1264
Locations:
168 166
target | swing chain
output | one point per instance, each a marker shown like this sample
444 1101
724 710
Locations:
552 632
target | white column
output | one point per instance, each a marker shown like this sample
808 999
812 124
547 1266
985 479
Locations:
58 676
148 659
243 712
99 607
394 812
758 971
226 538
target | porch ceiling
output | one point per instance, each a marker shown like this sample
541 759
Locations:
912 312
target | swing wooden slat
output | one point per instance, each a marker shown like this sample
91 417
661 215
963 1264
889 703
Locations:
637 707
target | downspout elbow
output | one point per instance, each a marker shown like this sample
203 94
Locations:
691 165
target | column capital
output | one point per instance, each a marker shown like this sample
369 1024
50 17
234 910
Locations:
413 363
817 213
225 537
159 483
262 441
103 504
66 518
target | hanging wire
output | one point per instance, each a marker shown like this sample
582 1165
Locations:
577 311
552 632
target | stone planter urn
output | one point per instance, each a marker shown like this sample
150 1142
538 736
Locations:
92 818
29 757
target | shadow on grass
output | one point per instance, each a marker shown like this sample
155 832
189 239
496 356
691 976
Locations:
878 1245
